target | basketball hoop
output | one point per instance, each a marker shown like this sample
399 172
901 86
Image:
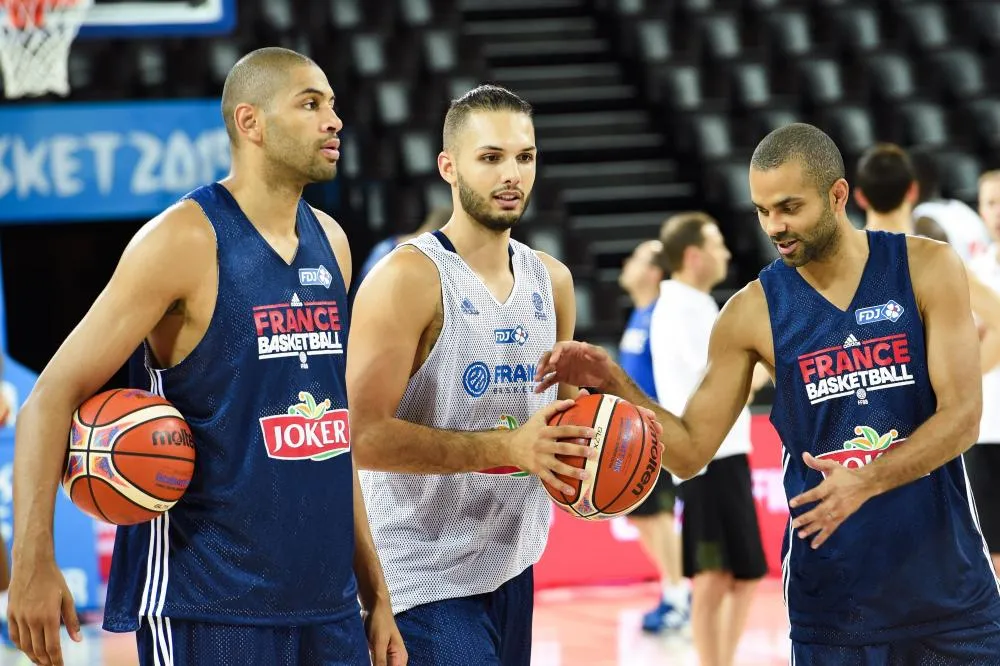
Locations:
35 39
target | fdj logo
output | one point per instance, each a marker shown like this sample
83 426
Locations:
315 277
506 336
890 311
516 378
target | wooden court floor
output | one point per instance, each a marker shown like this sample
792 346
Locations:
573 627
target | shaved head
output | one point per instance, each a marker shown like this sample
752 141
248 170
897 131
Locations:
486 98
809 145
255 79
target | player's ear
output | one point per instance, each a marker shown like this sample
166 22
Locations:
248 122
839 193
861 199
446 167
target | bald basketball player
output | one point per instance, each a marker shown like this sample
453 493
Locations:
872 343
265 556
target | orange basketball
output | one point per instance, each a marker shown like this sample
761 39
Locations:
627 468
131 456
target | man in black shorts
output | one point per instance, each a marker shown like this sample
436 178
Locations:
722 549
654 518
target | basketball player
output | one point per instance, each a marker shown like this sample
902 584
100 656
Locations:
723 555
886 189
983 459
265 556
654 518
440 378
871 339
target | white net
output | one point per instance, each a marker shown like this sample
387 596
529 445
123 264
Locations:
35 40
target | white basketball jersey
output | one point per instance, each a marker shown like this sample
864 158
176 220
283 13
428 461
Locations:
457 535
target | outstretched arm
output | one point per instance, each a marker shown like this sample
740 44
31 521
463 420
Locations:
382 356
693 439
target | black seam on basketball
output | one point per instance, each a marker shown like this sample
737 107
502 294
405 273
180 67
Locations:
642 457
115 454
130 501
133 411
579 485
93 497
593 426
141 489
97 414
600 458
136 425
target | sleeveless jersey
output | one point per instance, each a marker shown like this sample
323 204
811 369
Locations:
445 536
633 350
264 534
852 385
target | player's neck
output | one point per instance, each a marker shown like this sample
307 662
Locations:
851 247
899 221
484 250
269 204
643 297
692 281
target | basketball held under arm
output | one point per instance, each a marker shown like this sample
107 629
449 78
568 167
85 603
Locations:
942 293
163 264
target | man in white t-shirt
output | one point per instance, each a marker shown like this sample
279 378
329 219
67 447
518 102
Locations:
721 543
964 229
983 459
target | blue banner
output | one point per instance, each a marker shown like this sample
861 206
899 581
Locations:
86 161
75 533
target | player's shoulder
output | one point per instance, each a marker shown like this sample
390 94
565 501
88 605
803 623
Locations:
559 272
745 315
329 225
922 252
183 227
405 267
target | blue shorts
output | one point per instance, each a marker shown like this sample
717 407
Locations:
979 646
165 642
491 629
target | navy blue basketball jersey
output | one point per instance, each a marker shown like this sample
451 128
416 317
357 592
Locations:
633 351
852 385
264 534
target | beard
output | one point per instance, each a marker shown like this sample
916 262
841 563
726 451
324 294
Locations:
819 244
479 208
301 160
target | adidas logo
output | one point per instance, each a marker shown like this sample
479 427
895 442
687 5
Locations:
468 308
851 341
296 303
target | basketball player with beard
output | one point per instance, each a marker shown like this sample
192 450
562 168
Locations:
445 333
872 343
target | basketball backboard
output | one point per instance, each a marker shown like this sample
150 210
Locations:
152 18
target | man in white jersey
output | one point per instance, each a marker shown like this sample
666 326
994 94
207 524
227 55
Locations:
886 189
446 331
723 555
983 459
964 228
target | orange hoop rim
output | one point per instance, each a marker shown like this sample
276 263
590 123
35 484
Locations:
19 19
